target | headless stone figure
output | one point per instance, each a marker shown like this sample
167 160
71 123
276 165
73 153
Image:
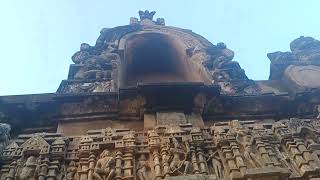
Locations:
104 169
142 168
71 171
28 171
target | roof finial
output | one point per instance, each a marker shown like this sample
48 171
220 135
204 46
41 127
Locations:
146 15
146 18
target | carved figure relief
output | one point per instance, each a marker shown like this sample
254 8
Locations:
179 163
29 169
230 150
71 171
215 162
142 167
105 167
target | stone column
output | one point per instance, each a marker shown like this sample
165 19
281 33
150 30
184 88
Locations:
128 164
44 169
156 160
238 158
194 162
83 172
261 147
202 161
92 162
229 158
118 165
12 171
165 163
53 170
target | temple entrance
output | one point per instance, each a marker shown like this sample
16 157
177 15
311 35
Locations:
155 58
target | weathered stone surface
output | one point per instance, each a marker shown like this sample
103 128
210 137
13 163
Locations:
170 118
4 135
150 101
304 51
229 150
303 76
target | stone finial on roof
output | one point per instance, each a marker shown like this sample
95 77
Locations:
146 18
146 15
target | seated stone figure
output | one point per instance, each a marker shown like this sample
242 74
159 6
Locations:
104 169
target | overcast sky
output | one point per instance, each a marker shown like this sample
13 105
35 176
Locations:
38 37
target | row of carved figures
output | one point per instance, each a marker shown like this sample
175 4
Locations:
288 149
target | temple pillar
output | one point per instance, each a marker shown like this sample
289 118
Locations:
194 162
202 161
12 171
128 165
44 169
157 166
165 163
83 172
92 161
118 165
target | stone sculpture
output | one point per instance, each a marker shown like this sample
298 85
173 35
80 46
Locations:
29 169
71 171
4 135
142 167
104 169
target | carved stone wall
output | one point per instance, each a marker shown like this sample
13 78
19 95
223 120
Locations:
286 149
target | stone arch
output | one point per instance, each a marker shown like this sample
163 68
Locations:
158 57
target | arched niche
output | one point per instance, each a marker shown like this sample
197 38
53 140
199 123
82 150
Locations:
153 57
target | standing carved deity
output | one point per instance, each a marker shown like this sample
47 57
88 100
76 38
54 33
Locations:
177 164
246 139
142 166
71 171
216 163
29 169
105 167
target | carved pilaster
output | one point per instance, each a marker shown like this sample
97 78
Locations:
128 165
118 165
157 165
44 168
202 161
92 161
83 169
165 158
53 170
12 171
194 161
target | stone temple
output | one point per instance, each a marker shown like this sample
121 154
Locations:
150 101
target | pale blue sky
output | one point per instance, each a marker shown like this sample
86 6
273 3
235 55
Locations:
38 37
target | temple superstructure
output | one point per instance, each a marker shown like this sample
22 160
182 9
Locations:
151 101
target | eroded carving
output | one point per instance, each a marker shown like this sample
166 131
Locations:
105 167
4 135
238 149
